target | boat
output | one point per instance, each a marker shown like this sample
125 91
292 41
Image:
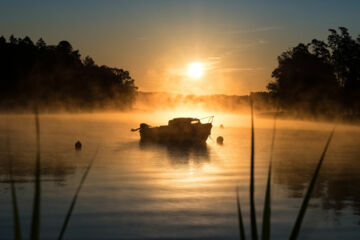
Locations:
178 130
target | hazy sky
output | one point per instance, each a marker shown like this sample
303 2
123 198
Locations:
236 41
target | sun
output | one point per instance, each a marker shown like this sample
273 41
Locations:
195 70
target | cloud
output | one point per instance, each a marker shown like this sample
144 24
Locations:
266 29
262 41
214 59
240 69
255 30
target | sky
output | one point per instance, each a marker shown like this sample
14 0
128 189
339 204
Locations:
236 42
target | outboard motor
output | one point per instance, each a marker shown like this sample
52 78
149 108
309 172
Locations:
142 126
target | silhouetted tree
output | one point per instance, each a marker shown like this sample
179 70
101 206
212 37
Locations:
320 50
56 74
64 47
2 40
13 40
346 61
319 77
304 81
40 43
88 61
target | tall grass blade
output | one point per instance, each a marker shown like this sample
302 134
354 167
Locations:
241 223
35 223
17 227
295 232
265 234
254 233
72 205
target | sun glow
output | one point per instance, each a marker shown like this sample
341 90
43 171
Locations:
195 70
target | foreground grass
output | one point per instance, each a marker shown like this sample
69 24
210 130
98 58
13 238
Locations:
265 234
15 210
253 225
73 202
305 203
266 225
35 221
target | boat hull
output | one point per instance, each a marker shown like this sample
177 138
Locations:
192 134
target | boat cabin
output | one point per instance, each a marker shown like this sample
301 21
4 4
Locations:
179 130
176 122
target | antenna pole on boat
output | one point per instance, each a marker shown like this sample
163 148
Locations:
211 118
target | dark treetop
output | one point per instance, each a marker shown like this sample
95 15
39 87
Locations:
56 76
320 77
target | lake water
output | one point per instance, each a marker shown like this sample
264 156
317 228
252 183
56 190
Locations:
136 191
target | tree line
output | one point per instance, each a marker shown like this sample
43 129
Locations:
320 77
57 76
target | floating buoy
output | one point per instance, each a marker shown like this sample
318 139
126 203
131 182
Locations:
78 145
220 140
221 126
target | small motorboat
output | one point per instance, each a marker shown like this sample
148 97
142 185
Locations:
178 130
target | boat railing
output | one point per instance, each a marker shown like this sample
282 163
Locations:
210 119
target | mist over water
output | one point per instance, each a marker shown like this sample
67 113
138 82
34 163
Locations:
155 191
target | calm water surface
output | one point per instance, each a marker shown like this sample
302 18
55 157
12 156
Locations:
139 191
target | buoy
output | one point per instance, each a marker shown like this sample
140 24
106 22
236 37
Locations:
220 140
221 126
78 145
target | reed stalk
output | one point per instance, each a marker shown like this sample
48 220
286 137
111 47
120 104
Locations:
295 232
240 218
35 223
254 233
73 202
15 210
266 224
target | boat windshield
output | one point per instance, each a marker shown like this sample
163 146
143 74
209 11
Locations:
183 121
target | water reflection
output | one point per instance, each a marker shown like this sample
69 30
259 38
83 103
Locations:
179 154
133 185
23 170
337 186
